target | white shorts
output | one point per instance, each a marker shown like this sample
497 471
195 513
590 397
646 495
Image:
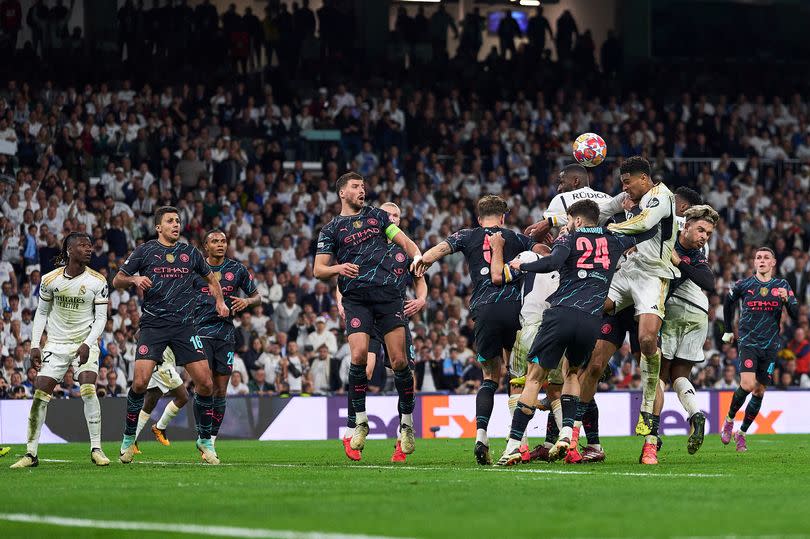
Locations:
58 358
683 333
646 292
165 378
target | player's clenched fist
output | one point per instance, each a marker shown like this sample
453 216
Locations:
142 283
349 270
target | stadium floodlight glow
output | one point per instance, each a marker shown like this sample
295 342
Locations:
530 3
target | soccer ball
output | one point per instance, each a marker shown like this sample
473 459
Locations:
589 149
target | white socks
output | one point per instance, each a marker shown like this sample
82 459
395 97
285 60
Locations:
362 417
36 418
92 414
556 409
143 419
481 436
650 369
687 395
168 414
407 419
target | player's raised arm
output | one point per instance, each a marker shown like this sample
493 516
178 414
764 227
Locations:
496 265
454 242
657 208
547 264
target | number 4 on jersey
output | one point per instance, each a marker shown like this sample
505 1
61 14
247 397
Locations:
602 253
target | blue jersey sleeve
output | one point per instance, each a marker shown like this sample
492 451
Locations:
247 283
134 262
458 241
326 242
200 266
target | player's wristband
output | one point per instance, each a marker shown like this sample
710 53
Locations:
392 231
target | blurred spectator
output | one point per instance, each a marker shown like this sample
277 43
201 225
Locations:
236 386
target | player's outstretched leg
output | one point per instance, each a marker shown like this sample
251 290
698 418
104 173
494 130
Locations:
36 417
92 414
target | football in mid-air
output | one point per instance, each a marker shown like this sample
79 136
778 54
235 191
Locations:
589 149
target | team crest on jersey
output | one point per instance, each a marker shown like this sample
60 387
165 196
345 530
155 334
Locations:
686 259
775 292
749 363
170 258
606 329
229 276
652 203
355 323
143 349
763 291
184 257
400 257
357 224
582 274
372 222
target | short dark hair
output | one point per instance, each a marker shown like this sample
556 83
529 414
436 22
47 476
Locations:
490 205
636 165
213 231
163 210
587 209
764 248
346 178
575 169
689 195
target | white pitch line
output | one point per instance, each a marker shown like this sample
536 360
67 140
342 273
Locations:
168 527
430 468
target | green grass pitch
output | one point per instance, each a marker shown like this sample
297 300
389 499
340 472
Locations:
273 489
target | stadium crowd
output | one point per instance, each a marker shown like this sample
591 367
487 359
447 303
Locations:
101 157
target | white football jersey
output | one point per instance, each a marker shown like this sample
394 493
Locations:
74 302
608 205
537 288
653 256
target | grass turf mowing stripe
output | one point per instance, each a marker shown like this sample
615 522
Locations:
196 529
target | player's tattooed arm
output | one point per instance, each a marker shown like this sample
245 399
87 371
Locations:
323 270
496 265
433 254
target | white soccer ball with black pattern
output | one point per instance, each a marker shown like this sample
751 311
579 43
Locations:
589 149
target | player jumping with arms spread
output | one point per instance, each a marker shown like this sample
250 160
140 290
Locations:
763 297
496 309
167 271
73 310
358 240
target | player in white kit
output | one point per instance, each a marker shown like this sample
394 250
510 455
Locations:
73 309
165 381
643 279
686 323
